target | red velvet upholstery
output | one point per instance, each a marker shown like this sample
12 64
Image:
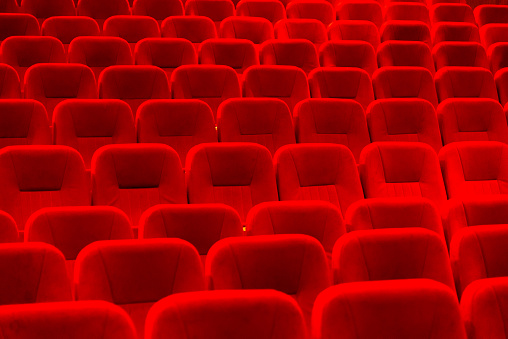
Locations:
361 10
254 29
460 53
226 314
465 82
467 119
501 80
196 29
66 28
404 120
401 169
453 12
131 28
135 274
318 172
180 124
292 263
388 309
266 121
408 30
348 54
217 10
405 53
491 14
293 52
407 11
272 10
8 228
455 31
236 53
33 177
87 125
497 56
354 30
16 24
404 82
309 9
310 29
240 175
473 168
318 120
9 83
134 177
48 8
493 33
9 6
100 11
158 9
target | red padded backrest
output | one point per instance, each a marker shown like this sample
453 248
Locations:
303 9
132 28
8 228
48 8
493 33
310 29
67 28
407 11
293 52
9 6
236 53
455 31
409 30
367 10
465 82
272 10
497 56
254 29
13 24
99 10
217 10
196 29
9 83
158 9
352 53
460 53
405 53
501 80
354 30
490 14
454 12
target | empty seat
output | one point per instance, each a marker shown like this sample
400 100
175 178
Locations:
310 29
406 30
158 9
23 122
465 82
9 83
257 30
404 82
14 24
466 119
302 173
200 224
131 28
493 33
354 30
498 56
361 10
272 10
180 124
501 80
235 53
266 121
134 177
237 314
336 82
318 219
99 52
288 83
477 253
407 11
451 53
165 53
87 125
455 31
473 168
348 54
22 52
70 229
339 121
48 8
133 84
295 52
405 53
291 263
454 12
33 177
53 83
135 274
217 10
100 10
401 169
8 228
388 309
211 83
66 28
240 175
491 14
382 213
307 9
404 120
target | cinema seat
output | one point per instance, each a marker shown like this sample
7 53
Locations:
310 29
265 121
318 219
53 83
238 54
455 31
288 83
405 53
33 177
474 168
465 82
308 9
100 10
272 10
398 119
451 12
180 124
222 314
32 273
70 229
18 24
211 83
135 274
335 82
196 29
477 253
257 30
407 11
23 122
354 30
133 84
200 224
401 169
466 119
405 30
318 121
217 10
493 33
459 53
48 8
497 56
157 9
318 172
404 82
348 54
134 177
66 28
87 125
388 309
491 14
131 28
9 81
294 52
501 80
99 52
364 10
292 263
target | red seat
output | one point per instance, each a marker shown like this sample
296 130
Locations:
498 56
455 31
470 54
493 33
196 29
354 30
48 8
451 12
9 6
311 9
295 52
131 28
10 86
66 28
361 10
257 30
158 9
465 82
406 30
310 29
348 54
100 10
272 10
18 24
8 229
407 11
491 14
405 53
235 53
501 80
217 10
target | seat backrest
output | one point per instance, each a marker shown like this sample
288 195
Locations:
455 31
501 80
254 29
460 53
497 56
406 30
131 28
48 8
18 24
348 53
310 29
8 228
454 12
236 53
465 82
10 84
405 53
491 14
272 10
365 10
66 28
407 11
304 9
493 33
158 9
293 52
100 11
217 10
9 6
354 30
